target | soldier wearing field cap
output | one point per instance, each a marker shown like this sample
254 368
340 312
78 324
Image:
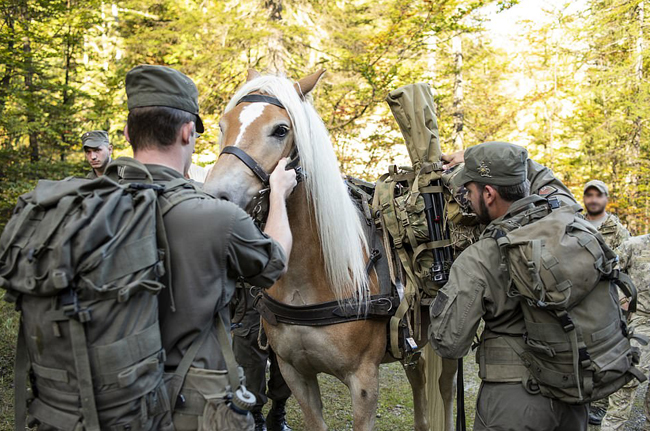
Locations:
495 175
595 198
212 244
98 150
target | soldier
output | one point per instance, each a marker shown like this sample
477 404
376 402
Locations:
634 258
596 196
253 359
98 151
495 176
211 242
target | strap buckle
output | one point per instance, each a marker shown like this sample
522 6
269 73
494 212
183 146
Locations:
71 309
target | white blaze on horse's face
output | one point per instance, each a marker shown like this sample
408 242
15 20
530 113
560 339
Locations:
265 133
249 114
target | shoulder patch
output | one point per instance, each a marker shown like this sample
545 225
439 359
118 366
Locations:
546 191
439 304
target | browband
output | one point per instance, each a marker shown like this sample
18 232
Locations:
252 98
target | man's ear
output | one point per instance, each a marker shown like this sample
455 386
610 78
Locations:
110 147
489 194
126 135
187 130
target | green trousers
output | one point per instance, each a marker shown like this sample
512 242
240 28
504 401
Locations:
251 357
509 407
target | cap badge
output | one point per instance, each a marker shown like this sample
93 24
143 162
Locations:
483 170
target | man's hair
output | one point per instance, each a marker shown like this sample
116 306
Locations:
510 193
156 126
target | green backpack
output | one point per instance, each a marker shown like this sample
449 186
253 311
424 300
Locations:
83 261
577 344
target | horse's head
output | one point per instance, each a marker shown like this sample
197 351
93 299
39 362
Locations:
257 130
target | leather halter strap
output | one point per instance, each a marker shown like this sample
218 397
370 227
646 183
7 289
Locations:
260 98
248 161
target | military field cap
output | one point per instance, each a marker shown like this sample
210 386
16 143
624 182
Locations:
598 185
95 139
149 85
494 163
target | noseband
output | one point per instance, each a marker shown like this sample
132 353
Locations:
259 203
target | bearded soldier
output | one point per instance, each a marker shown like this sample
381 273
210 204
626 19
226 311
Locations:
495 175
596 196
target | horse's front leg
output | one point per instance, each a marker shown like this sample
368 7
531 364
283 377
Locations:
307 393
364 389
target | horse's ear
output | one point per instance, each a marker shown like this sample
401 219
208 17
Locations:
252 74
307 84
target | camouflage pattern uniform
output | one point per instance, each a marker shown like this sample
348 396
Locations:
634 255
613 231
614 234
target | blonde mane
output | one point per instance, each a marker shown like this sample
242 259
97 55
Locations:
339 226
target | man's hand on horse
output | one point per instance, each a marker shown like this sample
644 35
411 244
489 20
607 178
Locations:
453 159
283 181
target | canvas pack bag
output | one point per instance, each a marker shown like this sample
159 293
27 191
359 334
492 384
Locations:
83 261
577 343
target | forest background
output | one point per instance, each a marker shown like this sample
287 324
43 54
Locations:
571 84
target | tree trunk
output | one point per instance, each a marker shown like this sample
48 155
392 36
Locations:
458 113
276 43
34 152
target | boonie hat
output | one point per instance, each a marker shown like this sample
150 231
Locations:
598 185
495 163
95 139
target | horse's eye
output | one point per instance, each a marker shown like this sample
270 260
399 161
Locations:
280 131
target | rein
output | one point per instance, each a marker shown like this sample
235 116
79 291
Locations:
258 207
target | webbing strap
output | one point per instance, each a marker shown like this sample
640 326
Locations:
226 349
185 364
127 351
394 327
21 368
576 361
84 375
53 417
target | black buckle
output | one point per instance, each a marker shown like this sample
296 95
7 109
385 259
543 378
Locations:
71 309
567 323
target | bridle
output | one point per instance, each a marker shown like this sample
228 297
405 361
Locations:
258 207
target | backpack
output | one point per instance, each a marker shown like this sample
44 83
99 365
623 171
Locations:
83 261
577 344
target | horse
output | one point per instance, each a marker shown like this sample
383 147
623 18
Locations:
270 118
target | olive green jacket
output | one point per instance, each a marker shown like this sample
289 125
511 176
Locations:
476 290
212 243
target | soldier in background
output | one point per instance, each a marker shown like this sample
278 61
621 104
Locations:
246 342
98 150
595 198
634 258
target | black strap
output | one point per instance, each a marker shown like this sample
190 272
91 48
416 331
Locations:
257 98
324 313
248 161
461 424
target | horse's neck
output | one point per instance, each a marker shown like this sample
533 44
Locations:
305 281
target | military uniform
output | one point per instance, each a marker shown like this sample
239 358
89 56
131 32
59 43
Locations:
477 290
212 243
95 139
251 357
634 258
613 231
